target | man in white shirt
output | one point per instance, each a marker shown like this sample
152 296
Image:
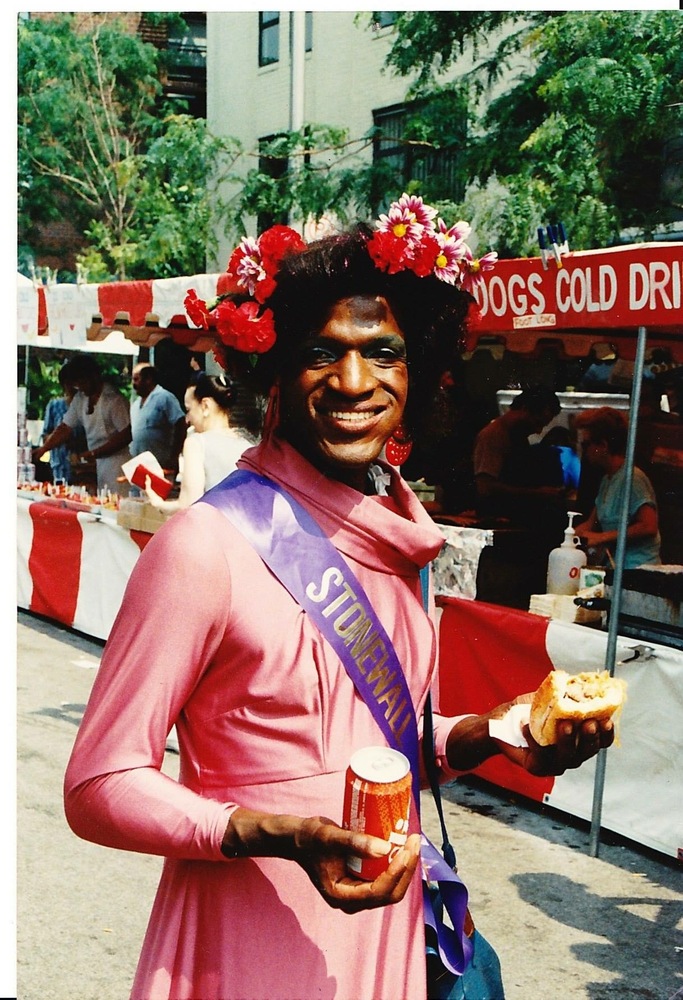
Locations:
103 413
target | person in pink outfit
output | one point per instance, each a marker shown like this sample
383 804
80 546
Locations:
255 900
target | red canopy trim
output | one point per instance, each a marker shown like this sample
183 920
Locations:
132 297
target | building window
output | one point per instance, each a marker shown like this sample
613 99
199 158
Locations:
268 37
184 73
384 19
275 167
187 64
309 31
416 142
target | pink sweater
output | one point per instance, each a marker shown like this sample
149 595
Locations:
267 718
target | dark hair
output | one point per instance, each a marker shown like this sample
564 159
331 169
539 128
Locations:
66 375
536 399
220 388
149 372
83 366
605 424
431 313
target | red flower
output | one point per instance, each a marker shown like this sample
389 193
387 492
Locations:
243 328
276 243
197 310
390 253
424 256
264 289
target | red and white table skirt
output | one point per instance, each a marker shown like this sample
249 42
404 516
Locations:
490 654
72 566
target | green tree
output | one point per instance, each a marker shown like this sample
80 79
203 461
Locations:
97 145
582 131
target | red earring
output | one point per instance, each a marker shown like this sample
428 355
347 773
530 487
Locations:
398 446
272 415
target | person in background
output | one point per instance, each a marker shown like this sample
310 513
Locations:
510 478
156 418
104 414
212 447
602 441
598 375
558 439
60 455
671 384
256 899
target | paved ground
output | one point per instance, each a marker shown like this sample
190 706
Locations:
565 925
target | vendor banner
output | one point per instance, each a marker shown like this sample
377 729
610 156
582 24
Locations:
629 286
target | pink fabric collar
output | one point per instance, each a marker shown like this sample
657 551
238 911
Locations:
396 537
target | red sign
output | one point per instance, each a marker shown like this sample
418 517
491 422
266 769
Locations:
630 286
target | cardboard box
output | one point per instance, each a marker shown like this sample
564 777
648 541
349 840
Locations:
140 515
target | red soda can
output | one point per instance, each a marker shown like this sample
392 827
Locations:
377 801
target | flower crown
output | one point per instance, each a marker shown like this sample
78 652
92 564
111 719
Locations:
409 237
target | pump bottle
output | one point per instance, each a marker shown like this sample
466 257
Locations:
565 562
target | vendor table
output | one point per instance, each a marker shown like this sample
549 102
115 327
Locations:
73 566
489 654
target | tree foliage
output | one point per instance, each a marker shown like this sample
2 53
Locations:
97 146
582 131
585 110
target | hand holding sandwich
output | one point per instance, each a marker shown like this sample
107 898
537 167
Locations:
577 741
570 720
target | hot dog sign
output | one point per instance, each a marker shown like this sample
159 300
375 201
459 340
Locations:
630 286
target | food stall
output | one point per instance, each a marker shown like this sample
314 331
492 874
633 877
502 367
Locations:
75 552
631 296
490 654
634 293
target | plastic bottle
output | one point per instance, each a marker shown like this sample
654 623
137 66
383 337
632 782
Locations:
565 562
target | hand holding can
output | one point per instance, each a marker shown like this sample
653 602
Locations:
377 801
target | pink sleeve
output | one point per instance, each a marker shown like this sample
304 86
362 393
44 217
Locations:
171 622
442 728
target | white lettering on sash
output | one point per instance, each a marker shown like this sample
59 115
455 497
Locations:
330 575
368 649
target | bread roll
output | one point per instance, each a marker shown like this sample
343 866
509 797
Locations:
589 695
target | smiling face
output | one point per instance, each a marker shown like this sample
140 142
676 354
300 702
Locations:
348 389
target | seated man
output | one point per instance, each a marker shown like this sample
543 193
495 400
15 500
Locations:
602 437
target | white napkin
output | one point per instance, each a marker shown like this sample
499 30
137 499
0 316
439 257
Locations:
509 728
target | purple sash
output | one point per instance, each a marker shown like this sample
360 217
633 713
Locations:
301 556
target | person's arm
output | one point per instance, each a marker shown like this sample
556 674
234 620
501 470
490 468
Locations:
193 481
118 417
469 743
645 524
320 847
60 435
115 443
586 529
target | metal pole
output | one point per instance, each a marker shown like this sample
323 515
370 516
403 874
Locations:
615 602
297 69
